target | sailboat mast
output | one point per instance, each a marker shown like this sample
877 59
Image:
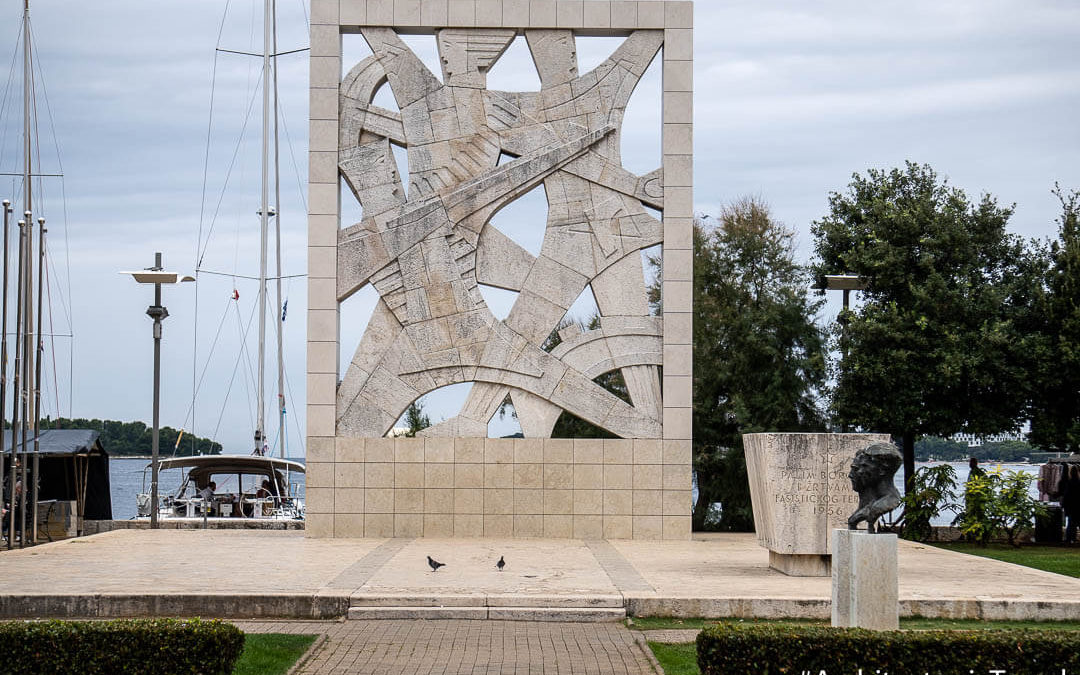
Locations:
277 240
264 218
28 321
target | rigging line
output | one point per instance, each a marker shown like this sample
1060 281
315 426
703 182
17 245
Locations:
206 367
291 51
209 134
295 419
49 114
228 176
56 382
59 293
232 379
7 90
228 392
292 156
202 217
244 332
233 275
303 8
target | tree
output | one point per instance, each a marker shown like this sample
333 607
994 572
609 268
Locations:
758 355
135 438
936 346
416 419
1055 411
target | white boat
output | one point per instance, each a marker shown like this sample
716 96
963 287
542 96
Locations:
239 478
245 487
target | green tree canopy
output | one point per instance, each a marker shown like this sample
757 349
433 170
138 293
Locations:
758 354
135 438
1055 411
935 347
416 419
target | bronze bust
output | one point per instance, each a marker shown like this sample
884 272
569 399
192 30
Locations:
871 476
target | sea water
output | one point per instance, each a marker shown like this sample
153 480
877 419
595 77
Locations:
126 479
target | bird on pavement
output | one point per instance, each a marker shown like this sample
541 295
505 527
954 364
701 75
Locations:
435 564
501 564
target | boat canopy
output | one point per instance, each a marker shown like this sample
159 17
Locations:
231 463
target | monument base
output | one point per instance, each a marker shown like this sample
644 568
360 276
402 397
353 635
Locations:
799 564
864 580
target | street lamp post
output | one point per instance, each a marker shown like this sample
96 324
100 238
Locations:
157 276
846 283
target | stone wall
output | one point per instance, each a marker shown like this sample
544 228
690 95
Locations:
472 487
471 151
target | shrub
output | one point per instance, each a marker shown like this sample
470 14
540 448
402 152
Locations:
769 649
932 490
998 502
132 646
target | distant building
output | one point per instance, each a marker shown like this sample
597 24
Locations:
974 440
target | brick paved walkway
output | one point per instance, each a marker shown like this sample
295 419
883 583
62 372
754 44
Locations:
452 647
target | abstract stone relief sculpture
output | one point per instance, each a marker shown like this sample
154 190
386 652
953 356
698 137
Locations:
426 253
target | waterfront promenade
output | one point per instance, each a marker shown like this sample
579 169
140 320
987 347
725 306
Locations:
273 574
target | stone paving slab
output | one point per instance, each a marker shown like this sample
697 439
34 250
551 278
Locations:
460 646
283 574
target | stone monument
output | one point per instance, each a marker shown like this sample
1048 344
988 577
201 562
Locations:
426 251
865 588
800 491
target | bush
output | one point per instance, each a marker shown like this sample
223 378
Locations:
998 503
931 491
132 647
730 649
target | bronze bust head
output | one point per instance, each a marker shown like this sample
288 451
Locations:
871 476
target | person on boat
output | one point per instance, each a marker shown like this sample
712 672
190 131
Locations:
207 493
264 490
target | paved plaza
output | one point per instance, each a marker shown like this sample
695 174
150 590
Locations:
451 647
270 574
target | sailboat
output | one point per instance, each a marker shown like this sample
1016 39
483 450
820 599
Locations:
20 470
256 484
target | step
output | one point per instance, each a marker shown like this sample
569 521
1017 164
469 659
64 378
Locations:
569 614
480 600
575 614
360 613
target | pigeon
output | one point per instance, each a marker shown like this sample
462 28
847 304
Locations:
501 564
435 564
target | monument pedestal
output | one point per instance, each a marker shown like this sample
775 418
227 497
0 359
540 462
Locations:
864 580
800 565
800 490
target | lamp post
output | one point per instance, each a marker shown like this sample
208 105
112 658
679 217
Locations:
846 283
157 276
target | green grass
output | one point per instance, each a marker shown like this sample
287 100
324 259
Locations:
1057 559
271 653
676 659
668 623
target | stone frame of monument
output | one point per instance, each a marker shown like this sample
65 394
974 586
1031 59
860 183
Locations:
456 482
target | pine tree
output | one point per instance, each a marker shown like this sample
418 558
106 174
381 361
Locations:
759 358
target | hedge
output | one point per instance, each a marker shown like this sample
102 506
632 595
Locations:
132 646
770 649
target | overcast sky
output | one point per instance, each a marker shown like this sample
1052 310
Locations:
791 99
